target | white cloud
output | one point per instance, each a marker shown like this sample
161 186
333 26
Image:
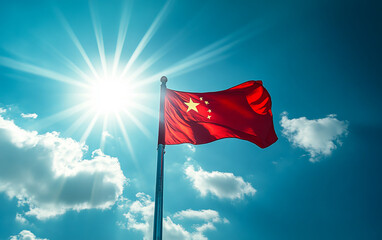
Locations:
205 227
29 115
21 219
191 147
106 134
26 235
140 217
141 209
175 231
2 110
48 173
206 215
319 137
220 184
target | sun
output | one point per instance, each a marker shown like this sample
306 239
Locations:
109 96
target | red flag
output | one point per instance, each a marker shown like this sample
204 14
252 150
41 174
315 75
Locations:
243 112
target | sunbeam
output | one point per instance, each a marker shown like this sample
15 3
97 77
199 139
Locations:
98 34
144 109
153 58
74 127
77 43
207 55
70 64
39 71
48 121
200 60
126 138
122 31
162 51
138 124
85 136
146 38
104 130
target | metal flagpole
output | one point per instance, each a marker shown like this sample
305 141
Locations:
158 212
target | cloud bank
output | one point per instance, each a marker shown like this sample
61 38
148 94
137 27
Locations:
26 235
140 217
319 137
220 184
48 174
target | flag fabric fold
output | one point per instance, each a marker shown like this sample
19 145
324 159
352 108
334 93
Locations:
243 112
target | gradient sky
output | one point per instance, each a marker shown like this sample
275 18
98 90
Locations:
319 60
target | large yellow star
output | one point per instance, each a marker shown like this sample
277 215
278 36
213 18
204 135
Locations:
191 105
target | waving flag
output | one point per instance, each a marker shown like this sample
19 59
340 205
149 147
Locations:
243 112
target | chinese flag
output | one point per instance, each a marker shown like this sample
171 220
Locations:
243 111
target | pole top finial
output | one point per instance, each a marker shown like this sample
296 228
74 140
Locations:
163 79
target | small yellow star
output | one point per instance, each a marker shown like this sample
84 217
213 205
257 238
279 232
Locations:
201 98
209 110
206 102
191 105
209 117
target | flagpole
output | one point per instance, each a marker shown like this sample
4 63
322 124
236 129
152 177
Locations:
158 211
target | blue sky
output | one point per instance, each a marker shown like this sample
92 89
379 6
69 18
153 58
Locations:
71 168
